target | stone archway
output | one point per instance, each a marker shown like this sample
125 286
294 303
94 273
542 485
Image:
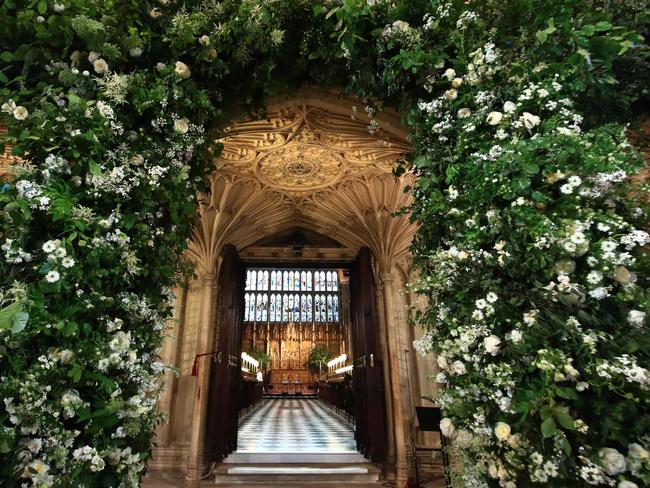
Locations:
322 163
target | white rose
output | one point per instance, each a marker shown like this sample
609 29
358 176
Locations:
449 73
636 317
182 70
447 427
492 344
181 125
401 25
40 19
624 275
451 94
135 52
160 66
530 120
20 112
93 56
464 113
100 66
204 40
502 431
456 82
637 451
59 7
75 57
442 361
494 118
457 367
613 461
627 484
509 107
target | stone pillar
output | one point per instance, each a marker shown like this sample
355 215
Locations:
383 349
401 465
169 355
195 462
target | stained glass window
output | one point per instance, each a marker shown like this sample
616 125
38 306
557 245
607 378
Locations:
299 295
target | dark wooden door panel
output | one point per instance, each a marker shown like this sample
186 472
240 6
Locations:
368 385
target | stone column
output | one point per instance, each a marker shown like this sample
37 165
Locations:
383 350
204 344
169 356
401 465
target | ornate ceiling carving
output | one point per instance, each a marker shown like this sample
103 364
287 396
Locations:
310 163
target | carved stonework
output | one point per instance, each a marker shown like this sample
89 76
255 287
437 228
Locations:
312 164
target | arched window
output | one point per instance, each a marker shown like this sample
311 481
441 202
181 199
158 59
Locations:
335 281
316 308
272 306
330 310
272 280
309 287
309 308
253 280
285 281
285 308
246 300
335 305
260 280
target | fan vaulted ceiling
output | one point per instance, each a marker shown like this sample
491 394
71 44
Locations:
311 162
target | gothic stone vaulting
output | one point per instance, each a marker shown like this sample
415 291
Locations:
311 163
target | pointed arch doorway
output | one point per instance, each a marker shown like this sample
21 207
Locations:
312 164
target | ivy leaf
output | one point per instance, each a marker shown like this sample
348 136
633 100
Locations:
548 427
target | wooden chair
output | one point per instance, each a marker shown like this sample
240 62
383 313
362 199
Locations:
429 421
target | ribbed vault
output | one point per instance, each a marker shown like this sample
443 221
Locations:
312 163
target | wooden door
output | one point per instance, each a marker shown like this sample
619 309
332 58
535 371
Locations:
368 378
225 374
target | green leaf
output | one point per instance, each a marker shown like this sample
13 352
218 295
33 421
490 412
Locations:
42 7
568 393
548 427
565 420
7 315
95 169
541 36
566 445
20 322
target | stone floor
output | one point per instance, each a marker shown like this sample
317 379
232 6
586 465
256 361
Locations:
295 426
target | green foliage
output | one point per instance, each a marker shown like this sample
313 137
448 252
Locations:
113 106
318 358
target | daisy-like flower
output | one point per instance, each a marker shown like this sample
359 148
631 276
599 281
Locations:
67 262
52 276
49 246
492 297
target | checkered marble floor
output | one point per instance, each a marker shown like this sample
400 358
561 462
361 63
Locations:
294 425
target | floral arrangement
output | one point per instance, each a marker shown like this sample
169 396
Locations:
530 241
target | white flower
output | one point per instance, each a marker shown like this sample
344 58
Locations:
594 277
449 73
502 431
67 262
627 484
567 189
20 112
59 7
516 336
447 427
530 120
160 66
463 113
575 180
491 297
154 13
204 40
637 451
608 246
52 276
182 70
9 106
492 344
458 367
93 56
612 461
50 246
624 275
509 107
456 82
135 52
451 94
100 66
442 361
636 317
181 125
493 118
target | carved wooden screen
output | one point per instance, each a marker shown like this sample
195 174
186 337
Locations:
370 410
223 409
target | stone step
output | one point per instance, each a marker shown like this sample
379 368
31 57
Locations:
307 474
294 457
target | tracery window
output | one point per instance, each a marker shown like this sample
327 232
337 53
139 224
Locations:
291 295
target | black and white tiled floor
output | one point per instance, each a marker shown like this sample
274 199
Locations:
294 426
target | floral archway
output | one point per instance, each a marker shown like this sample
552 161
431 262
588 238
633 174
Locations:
529 245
